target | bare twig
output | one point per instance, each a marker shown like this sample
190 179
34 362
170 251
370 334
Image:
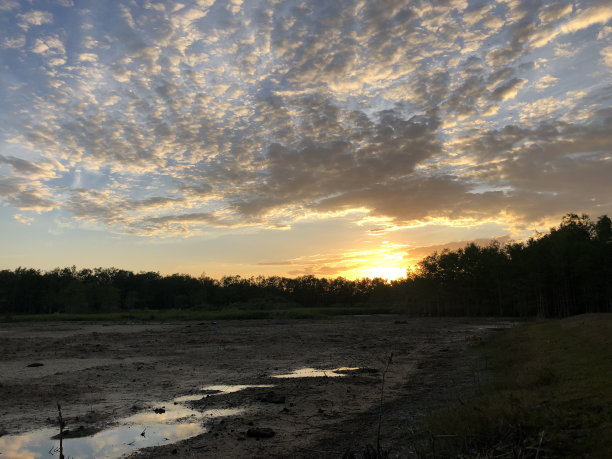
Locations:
62 424
382 396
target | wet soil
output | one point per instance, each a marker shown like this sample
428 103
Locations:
103 372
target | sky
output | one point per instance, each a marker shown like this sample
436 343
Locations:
269 137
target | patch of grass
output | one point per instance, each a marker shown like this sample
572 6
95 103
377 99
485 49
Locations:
547 393
228 313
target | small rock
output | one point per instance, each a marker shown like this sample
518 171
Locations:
273 397
159 410
36 364
260 432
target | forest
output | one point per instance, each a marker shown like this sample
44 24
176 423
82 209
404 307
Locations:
563 272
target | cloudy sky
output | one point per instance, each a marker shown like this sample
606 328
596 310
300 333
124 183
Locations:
251 137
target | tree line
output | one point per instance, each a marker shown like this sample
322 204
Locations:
566 271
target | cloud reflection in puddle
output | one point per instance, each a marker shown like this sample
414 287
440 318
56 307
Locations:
317 373
177 422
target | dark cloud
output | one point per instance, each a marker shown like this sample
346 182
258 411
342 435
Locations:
507 90
22 166
343 161
415 199
24 195
275 263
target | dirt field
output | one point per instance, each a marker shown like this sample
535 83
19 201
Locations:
101 373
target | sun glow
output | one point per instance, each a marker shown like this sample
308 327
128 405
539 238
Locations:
385 260
388 273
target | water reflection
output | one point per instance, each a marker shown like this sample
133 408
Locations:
317 373
138 431
218 390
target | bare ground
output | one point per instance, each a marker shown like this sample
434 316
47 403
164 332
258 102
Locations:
101 372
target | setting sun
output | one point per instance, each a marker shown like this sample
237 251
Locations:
388 273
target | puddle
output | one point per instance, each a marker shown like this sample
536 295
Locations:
317 373
141 430
218 390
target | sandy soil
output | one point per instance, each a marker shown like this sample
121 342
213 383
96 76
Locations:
101 372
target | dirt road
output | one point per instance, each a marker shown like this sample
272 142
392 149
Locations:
101 373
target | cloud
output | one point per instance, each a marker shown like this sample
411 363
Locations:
582 19
546 82
34 18
548 107
25 219
276 263
14 42
26 168
546 167
604 32
25 195
329 264
179 224
8 5
88 57
206 114
590 16
507 90
49 45
606 54
555 12
309 171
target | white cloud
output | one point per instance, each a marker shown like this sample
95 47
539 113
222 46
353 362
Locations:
126 14
546 82
25 219
14 42
49 45
8 5
34 18
588 17
88 57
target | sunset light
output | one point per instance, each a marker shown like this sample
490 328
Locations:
386 272
288 137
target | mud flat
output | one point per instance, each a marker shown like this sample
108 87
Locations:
230 388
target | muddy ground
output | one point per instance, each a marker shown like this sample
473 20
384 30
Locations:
102 372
